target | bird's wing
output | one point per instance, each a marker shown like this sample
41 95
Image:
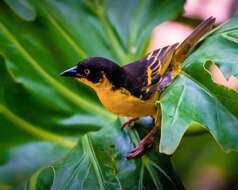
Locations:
159 68
147 72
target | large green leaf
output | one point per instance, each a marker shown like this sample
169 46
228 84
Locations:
194 98
17 164
98 162
40 39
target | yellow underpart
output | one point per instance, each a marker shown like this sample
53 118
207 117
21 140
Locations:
121 101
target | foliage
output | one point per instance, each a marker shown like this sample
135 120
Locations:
39 39
195 99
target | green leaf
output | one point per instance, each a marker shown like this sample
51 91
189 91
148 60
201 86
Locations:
138 20
22 8
17 164
37 42
195 98
98 162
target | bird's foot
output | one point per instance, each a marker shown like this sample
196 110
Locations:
130 122
146 142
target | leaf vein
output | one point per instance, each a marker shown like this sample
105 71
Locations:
81 102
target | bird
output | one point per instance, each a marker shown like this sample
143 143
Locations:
133 90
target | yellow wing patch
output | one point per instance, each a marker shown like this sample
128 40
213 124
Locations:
149 78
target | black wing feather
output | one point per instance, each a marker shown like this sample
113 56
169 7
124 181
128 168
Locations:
156 70
145 73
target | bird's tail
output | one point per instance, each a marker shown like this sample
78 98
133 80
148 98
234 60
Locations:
183 49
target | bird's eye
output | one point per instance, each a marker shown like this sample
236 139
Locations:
86 71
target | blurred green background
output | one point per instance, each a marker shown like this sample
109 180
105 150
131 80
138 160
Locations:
42 116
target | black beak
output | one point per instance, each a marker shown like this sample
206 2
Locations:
72 72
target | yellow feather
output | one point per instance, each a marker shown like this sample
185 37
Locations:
149 78
120 101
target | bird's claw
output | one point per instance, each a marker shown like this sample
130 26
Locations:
146 142
135 152
140 148
129 122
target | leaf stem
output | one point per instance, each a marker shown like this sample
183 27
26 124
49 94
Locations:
144 159
133 31
87 144
68 38
151 171
100 11
34 130
149 164
114 41
63 32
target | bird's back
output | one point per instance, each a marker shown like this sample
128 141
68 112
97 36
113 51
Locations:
147 72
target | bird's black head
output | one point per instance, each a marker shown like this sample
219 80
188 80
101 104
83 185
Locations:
93 70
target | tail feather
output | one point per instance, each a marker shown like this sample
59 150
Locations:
166 59
176 56
183 49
